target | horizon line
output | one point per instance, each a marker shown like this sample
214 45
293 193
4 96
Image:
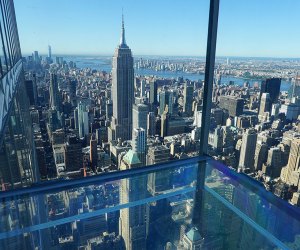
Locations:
157 55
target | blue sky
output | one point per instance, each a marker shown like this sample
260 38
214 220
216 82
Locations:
259 28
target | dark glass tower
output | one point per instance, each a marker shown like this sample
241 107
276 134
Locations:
153 96
122 91
18 165
188 99
271 86
54 93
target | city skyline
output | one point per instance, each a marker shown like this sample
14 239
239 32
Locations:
262 35
152 153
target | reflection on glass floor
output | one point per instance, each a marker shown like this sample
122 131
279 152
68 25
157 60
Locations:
151 209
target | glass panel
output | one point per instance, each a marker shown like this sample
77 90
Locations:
254 115
16 166
236 213
125 105
100 203
5 37
257 211
3 51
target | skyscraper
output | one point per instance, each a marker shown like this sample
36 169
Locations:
83 120
72 91
248 150
54 93
18 164
31 91
218 139
151 125
18 158
153 95
142 88
274 163
36 56
296 86
293 162
73 154
49 52
108 109
122 91
160 180
139 143
165 117
140 112
260 156
271 86
265 105
133 226
188 99
93 153
165 98
233 104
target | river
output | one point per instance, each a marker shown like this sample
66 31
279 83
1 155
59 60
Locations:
104 63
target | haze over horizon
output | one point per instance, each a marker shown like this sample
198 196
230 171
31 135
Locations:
137 56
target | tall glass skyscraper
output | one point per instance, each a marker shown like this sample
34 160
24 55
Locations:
122 91
54 93
17 153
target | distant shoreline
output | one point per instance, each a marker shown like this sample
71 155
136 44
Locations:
90 56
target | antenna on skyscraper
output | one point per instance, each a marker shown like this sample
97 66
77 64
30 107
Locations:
122 41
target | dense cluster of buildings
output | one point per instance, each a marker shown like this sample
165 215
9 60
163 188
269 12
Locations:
87 122
247 68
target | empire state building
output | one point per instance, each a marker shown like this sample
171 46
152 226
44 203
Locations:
122 91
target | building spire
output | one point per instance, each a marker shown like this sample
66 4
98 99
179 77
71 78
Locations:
122 40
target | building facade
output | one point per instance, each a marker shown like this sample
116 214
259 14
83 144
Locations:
271 86
122 91
18 164
248 150
233 104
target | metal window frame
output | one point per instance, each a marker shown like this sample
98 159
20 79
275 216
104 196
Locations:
63 184
209 74
206 111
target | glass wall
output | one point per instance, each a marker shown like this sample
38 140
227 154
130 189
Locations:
81 104
17 164
255 108
10 53
124 212
17 151
113 104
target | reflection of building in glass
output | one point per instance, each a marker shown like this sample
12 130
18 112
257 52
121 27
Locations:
18 161
192 240
158 181
17 155
133 226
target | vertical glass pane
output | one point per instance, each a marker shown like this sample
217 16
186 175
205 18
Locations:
3 50
131 102
255 107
